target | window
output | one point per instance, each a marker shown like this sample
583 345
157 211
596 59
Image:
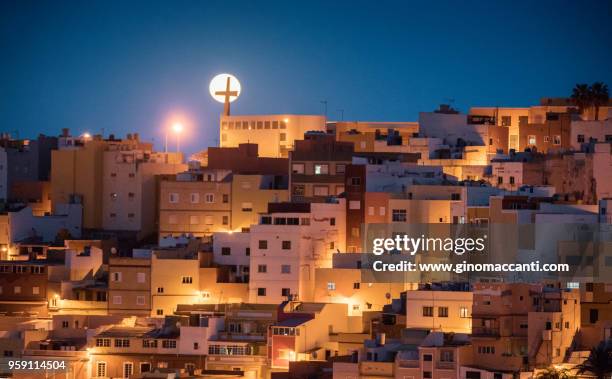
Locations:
321 169
194 220
195 198
140 300
261 292
247 251
523 120
187 280
356 285
500 180
355 181
160 289
427 357
286 245
427 311
285 269
580 138
556 140
427 374
145 367
169 344
332 221
297 168
160 312
531 140
140 277
128 369
263 244
117 276
225 198
262 269
331 286
354 204
285 292
546 139
398 215
102 342
122 342
196 346
512 180
173 197
225 220
463 312
149 343
117 300
321 191
506 120
208 220
35 290
226 251
442 311
65 324
382 211
370 211
172 219
447 356
340 168
283 137
209 198
101 369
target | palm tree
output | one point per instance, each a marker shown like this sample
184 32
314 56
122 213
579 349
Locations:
599 363
553 373
599 96
581 96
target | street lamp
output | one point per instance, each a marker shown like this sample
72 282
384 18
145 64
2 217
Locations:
177 129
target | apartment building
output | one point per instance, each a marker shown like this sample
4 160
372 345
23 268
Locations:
443 308
197 203
180 285
318 163
291 241
275 134
23 287
250 195
77 172
129 286
520 326
517 170
130 198
128 350
585 132
303 330
374 136
595 313
242 159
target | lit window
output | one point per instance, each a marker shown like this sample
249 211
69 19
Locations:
331 286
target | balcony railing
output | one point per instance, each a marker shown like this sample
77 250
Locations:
478 331
445 365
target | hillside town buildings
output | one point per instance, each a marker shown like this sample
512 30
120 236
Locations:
252 259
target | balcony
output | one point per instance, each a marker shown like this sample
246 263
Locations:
445 365
235 336
479 331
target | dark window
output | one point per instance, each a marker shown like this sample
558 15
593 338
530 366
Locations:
427 357
261 292
286 245
593 316
263 244
427 374
285 292
226 251
332 221
427 311
248 251
356 285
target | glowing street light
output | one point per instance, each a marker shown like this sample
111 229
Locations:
177 129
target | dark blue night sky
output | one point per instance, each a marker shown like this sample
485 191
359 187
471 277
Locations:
124 66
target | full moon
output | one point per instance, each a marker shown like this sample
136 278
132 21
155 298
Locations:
218 85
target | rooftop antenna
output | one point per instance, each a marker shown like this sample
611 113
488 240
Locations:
341 114
324 102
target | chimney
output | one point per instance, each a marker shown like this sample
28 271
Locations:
65 132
